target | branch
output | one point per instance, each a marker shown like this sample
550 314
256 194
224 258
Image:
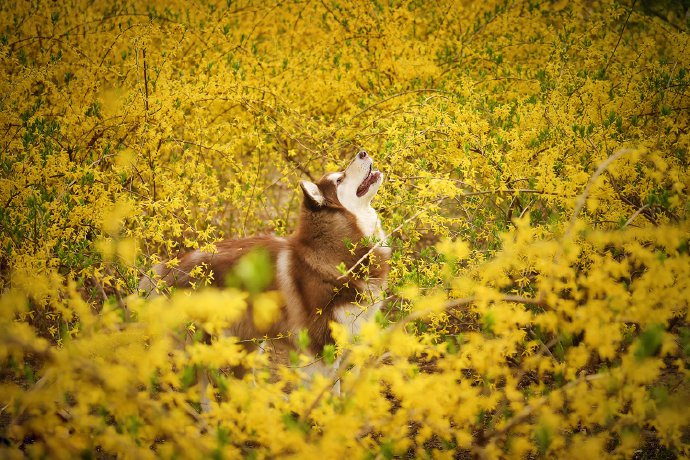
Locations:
637 213
378 243
527 411
457 303
387 333
582 199
344 364
608 62
405 93
343 25
146 82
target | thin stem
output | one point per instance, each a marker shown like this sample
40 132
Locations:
637 213
146 82
378 243
582 199
608 62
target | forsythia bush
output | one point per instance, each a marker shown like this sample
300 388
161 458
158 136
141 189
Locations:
537 179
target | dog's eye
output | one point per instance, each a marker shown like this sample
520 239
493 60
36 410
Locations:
340 179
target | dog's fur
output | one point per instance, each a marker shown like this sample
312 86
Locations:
337 226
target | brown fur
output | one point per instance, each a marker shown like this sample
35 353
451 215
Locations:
314 251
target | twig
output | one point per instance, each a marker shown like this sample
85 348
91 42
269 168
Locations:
457 303
405 93
378 243
118 297
344 364
95 163
637 213
527 411
251 197
582 199
387 333
100 288
344 25
608 62
510 190
195 415
146 82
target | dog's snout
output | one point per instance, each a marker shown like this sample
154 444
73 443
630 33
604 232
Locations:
362 155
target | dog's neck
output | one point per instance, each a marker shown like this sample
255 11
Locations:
326 238
368 221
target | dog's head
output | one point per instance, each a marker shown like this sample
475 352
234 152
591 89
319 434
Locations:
337 215
351 189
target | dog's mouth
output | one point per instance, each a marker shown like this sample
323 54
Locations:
368 181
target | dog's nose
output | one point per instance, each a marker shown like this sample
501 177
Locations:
362 155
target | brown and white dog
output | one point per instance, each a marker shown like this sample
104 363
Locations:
337 229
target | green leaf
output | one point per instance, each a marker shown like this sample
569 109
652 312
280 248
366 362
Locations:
303 339
329 353
649 342
253 272
542 437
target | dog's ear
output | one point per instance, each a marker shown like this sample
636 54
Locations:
312 193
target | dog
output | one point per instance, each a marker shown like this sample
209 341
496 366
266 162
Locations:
335 262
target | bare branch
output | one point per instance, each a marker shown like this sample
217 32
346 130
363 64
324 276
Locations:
582 199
